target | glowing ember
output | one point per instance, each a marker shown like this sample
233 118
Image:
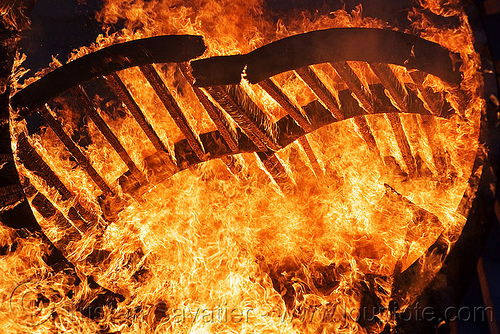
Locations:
206 250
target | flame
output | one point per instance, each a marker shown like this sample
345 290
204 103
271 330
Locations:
205 251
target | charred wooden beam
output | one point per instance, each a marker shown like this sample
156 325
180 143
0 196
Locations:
74 150
287 128
320 90
306 146
330 45
430 126
217 115
173 109
122 92
275 92
403 144
352 81
399 97
278 172
106 61
364 99
35 163
65 227
432 101
253 121
397 91
90 110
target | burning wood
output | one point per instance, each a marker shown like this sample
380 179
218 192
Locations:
357 207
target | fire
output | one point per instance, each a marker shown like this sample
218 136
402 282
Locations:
208 251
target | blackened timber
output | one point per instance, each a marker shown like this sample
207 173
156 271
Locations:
217 116
122 92
364 98
173 109
306 146
35 163
270 87
175 48
371 45
403 144
399 97
278 172
352 81
289 131
90 110
74 150
254 123
64 226
432 101
367 134
275 92
320 90
396 90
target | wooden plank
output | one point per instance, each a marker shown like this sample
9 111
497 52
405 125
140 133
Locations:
365 100
220 120
320 90
254 123
173 109
432 101
80 158
399 98
122 92
173 48
352 81
275 92
90 110
278 172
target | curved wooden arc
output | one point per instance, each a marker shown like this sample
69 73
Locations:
331 45
159 49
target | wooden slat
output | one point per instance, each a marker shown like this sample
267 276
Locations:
90 110
352 81
403 144
122 92
74 150
320 90
173 109
221 122
365 100
397 91
278 172
399 97
35 163
275 92
254 123
306 146
432 101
